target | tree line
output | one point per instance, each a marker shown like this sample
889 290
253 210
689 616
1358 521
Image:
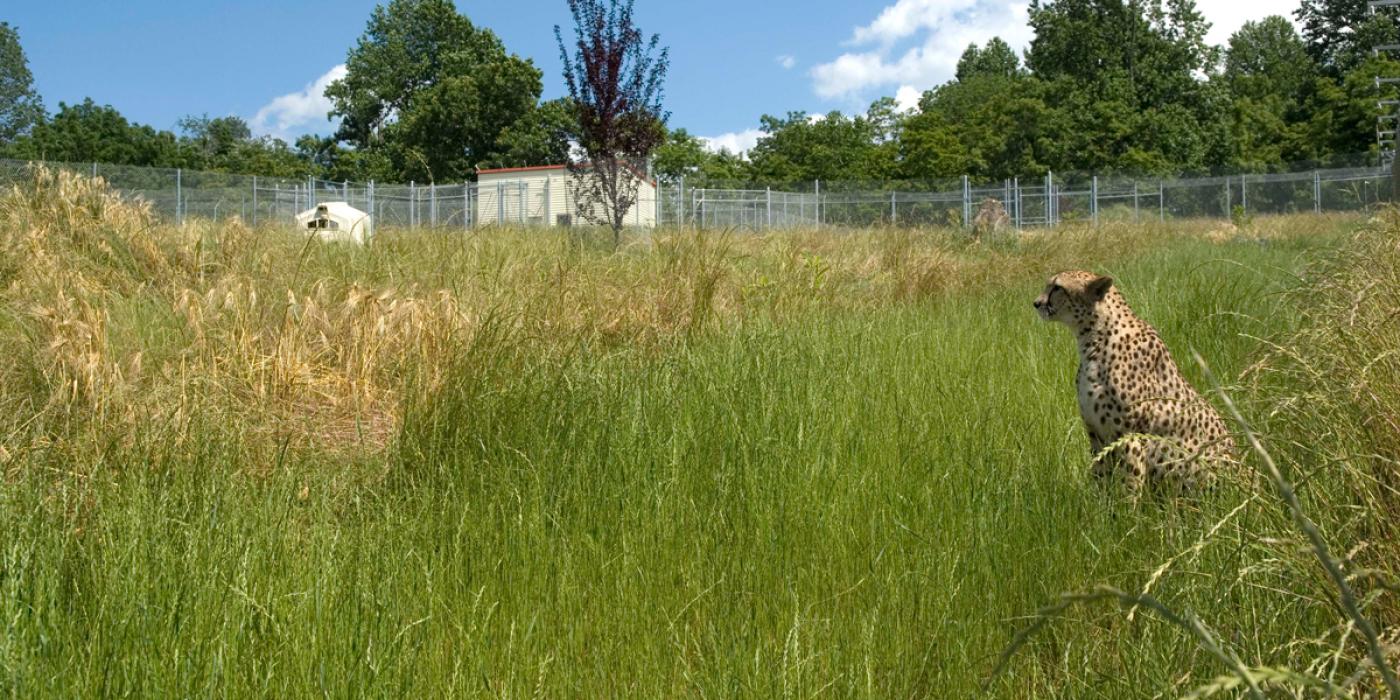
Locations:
1111 86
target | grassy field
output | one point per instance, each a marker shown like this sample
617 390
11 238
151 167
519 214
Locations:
520 463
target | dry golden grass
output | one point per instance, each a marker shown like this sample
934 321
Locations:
117 320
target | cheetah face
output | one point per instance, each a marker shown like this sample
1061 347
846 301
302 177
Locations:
1070 297
1052 301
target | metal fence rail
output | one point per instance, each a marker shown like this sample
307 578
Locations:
1047 201
1031 202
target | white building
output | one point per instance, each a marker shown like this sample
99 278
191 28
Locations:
336 221
543 196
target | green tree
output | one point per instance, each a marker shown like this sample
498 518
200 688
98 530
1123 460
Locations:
680 155
540 137
686 155
1340 116
430 91
725 166
326 156
996 59
1267 72
20 107
990 123
1126 77
800 148
226 144
272 157
215 140
933 147
1268 58
989 126
88 132
1341 33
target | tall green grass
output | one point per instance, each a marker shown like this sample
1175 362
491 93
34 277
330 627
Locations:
852 502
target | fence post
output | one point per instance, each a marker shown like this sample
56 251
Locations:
1094 199
1136 212
432 204
1161 202
179 198
768 192
1228 201
1016 198
967 203
1317 192
373 215
1244 193
680 203
817 188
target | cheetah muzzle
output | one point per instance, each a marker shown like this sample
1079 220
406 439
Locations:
1146 423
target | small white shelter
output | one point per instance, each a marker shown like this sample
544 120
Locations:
544 196
336 221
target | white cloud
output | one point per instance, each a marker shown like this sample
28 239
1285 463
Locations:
787 61
907 97
902 19
913 45
284 116
944 29
1227 16
736 142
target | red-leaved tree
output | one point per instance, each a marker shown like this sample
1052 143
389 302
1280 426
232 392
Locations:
615 77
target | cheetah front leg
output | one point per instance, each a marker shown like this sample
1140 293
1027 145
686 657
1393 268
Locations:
1103 463
1138 452
1126 459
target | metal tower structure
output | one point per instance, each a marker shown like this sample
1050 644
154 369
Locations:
1388 122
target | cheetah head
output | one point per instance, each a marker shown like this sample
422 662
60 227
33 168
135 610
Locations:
1070 297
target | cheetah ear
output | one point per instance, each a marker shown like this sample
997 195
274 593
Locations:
1099 287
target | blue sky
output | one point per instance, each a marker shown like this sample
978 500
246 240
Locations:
732 60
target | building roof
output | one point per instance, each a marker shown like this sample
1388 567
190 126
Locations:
535 168
495 171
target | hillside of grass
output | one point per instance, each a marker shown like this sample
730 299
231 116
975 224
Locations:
523 462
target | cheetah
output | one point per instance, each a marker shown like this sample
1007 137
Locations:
991 218
1146 423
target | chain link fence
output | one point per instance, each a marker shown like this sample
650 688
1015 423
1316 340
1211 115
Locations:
1048 201
1051 200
